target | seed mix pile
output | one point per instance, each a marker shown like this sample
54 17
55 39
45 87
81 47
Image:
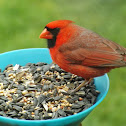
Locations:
41 91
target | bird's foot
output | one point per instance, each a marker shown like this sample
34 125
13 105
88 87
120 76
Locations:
86 82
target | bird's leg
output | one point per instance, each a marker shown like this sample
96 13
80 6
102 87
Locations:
82 85
80 125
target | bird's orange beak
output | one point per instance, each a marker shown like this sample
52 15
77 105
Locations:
46 34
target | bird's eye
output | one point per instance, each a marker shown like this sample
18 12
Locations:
56 28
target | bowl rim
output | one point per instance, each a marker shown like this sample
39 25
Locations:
63 118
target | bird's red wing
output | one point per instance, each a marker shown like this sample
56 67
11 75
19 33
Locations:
93 58
90 49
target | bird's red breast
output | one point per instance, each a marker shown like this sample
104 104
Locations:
81 51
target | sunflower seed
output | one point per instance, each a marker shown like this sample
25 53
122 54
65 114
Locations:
1 107
80 93
21 87
3 113
29 64
57 98
75 97
40 64
18 108
6 108
75 106
51 86
46 68
89 96
5 81
30 110
77 110
12 113
3 98
50 99
41 98
29 95
55 92
54 115
68 76
71 112
61 112
35 101
87 106
36 117
9 65
19 104
45 87
1 101
46 116
70 100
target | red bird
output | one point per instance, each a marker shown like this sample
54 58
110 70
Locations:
80 51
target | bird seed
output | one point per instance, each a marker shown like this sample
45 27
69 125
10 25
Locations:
41 91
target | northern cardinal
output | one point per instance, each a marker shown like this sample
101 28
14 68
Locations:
80 51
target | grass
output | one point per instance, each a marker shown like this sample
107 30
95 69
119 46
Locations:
22 21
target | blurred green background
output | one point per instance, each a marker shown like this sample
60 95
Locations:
21 22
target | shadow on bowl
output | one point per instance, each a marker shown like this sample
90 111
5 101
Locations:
35 55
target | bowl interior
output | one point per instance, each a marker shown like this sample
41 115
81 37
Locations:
35 55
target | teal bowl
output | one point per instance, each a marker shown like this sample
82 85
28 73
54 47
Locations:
35 55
